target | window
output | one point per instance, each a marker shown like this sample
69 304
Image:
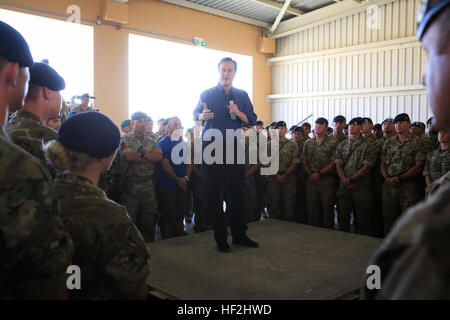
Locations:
69 47
166 78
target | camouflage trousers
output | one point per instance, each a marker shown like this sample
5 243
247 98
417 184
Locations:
200 205
361 203
320 199
301 210
251 201
281 198
142 205
396 200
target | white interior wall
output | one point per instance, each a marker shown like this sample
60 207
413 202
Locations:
345 67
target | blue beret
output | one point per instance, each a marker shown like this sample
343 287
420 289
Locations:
85 95
280 124
44 75
402 117
429 12
139 115
90 132
339 119
299 129
13 46
322 121
420 125
358 121
306 124
377 126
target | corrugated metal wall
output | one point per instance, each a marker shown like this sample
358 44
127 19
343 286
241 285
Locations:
345 67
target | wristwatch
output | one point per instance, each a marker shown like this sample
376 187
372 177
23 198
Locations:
187 178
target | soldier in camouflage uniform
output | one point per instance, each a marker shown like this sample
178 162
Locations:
109 250
318 162
432 134
149 130
139 193
251 212
84 106
339 123
414 258
402 162
301 209
418 129
281 186
197 183
438 163
376 177
125 126
355 159
35 249
43 101
388 128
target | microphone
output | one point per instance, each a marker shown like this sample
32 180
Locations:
231 98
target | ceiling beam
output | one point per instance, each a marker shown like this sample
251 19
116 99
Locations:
277 5
216 12
286 4
326 14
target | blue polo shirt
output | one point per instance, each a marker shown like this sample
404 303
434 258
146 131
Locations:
218 101
166 146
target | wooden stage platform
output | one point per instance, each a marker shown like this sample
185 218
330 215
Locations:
293 262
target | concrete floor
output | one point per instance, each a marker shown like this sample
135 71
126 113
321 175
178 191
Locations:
294 261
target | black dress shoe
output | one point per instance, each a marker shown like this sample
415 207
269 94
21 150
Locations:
223 247
246 242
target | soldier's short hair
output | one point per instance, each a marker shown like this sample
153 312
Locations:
227 59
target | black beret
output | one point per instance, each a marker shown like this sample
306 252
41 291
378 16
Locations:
138 115
322 121
267 127
280 124
339 119
90 132
273 124
357 120
306 124
430 121
401 117
377 126
44 75
259 123
84 95
420 125
292 128
367 120
428 13
13 46
247 125
388 120
299 129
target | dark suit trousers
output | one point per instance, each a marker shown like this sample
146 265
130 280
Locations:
230 179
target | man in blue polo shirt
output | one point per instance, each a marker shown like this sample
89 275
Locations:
224 107
173 175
